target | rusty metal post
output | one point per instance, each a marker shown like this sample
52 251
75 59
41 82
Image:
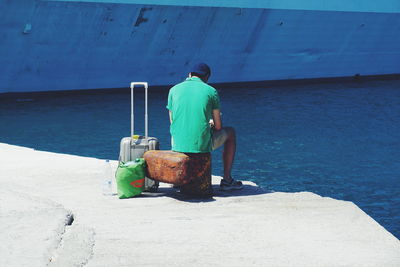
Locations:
190 171
200 175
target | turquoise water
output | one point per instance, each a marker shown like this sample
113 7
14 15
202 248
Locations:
338 140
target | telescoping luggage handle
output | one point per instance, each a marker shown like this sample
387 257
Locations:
145 85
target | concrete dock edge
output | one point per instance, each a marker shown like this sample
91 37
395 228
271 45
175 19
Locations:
52 212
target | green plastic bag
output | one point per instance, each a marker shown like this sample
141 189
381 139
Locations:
130 178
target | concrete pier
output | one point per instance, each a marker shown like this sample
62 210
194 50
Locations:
52 212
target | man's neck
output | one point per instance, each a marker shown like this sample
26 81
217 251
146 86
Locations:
194 76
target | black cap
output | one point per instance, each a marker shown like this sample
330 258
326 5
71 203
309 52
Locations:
202 69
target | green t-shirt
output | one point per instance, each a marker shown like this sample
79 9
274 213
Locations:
191 103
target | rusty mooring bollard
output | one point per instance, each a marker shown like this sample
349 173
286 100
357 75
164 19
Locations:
191 171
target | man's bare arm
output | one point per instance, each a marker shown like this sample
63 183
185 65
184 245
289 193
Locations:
170 116
216 114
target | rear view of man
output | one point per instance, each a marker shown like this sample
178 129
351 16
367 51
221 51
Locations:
196 125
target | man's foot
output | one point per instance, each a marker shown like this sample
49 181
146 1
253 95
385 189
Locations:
232 185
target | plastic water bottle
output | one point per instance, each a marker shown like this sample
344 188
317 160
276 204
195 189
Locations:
107 184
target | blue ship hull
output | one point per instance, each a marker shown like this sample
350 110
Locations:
68 45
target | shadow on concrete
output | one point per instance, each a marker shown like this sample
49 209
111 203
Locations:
248 190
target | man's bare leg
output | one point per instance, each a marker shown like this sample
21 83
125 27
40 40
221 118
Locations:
228 155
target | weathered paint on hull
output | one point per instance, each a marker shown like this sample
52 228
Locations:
57 45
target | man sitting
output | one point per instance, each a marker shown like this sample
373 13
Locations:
196 126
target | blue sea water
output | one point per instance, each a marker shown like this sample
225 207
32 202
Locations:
340 140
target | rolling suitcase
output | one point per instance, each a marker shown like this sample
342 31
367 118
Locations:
134 146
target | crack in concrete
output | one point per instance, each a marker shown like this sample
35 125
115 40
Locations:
76 245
